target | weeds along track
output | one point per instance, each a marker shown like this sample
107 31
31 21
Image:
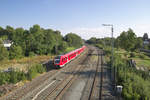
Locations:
32 88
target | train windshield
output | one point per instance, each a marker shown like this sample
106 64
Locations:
57 59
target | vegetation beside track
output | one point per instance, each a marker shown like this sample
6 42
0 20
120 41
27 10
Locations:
15 76
135 82
24 63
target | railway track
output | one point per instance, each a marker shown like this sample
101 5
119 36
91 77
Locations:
37 84
93 82
101 82
66 83
61 93
56 83
96 94
60 88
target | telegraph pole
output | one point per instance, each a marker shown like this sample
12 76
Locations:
112 44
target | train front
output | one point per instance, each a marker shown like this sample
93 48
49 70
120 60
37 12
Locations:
57 61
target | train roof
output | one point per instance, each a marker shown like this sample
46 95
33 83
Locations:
72 51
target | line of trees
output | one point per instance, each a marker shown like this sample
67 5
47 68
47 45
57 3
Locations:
127 40
35 41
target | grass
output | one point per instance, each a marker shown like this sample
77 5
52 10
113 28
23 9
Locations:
69 49
24 63
141 59
142 62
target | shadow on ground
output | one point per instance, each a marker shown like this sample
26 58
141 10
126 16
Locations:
49 65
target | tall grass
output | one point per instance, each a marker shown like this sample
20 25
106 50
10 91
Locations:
15 76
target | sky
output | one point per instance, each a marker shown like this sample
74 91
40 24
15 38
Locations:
83 17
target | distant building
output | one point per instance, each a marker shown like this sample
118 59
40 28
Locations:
7 44
146 40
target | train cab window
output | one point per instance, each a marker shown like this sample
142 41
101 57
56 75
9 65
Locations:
57 59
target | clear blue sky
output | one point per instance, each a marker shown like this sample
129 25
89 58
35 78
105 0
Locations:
83 17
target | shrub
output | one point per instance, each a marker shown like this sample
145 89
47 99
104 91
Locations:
142 56
34 70
21 76
3 52
126 54
4 78
31 54
40 68
32 73
15 52
13 77
135 82
16 76
132 54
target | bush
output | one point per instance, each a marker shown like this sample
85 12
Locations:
15 52
142 56
99 46
135 82
31 54
132 54
3 52
16 76
34 70
126 54
4 78
21 76
108 51
32 73
13 77
40 68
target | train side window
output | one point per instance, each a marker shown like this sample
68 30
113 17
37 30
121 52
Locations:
64 59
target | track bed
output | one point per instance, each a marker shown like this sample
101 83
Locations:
81 79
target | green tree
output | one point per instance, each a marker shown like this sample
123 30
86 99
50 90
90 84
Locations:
127 40
49 41
62 47
18 36
138 43
3 52
92 40
15 52
38 41
73 40
9 31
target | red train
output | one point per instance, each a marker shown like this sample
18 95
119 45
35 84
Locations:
61 60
